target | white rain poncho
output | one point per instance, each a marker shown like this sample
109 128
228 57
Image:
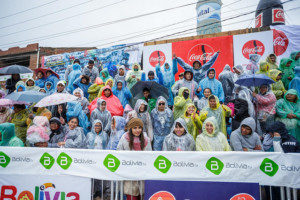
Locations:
84 102
75 138
104 116
116 133
162 122
215 141
97 140
226 78
183 143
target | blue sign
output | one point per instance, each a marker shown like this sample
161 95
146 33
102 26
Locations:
196 190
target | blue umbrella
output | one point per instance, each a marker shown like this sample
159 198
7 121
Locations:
15 69
27 96
254 80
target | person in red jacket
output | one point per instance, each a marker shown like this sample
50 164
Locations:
114 105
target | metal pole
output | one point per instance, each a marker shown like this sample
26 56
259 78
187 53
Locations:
295 195
92 189
111 190
271 193
282 195
260 191
288 193
102 195
117 190
122 191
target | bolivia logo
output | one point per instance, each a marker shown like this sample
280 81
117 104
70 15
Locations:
201 52
253 47
243 196
162 195
157 57
280 42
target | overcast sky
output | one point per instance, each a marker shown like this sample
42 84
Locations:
58 23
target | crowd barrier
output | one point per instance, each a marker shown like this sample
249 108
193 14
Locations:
267 169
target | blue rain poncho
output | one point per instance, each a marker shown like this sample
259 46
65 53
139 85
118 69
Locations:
118 77
215 141
199 74
96 140
162 122
75 138
226 79
83 101
75 73
173 142
168 78
124 95
84 87
116 133
104 116
112 68
74 109
214 85
295 83
40 82
21 86
51 89
52 78
157 79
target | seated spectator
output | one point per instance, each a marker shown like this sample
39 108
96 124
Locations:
30 85
277 87
204 100
83 82
192 120
122 92
19 118
211 139
81 98
103 115
245 138
51 77
120 76
8 136
180 101
40 79
118 128
147 97
97 138
179 138
95 88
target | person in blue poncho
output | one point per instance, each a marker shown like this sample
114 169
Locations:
83 82
51 77
40 81
151 77
74 109
112 68
212 83
49 87
197 69
97 138
295 82
168 78
123 93
76 72
118 128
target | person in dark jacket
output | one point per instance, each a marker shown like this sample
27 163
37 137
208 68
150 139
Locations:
240 112
277 133
10 84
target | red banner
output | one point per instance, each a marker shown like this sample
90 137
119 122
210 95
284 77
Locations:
203 50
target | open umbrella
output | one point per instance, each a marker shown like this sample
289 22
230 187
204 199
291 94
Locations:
27 96
156 90
9 102
15 69
56 99
44 70
254 80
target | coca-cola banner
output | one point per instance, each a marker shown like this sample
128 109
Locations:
203 50
156 54
286 40
254 43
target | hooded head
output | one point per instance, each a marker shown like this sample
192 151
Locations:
274 73
289 93
60 84
190 108
227 68
30 79
109 82
98 81
295 55
100 106
254 58
139 103
239 69
213 102
181 90
99 127
278 127
122 68
79 93
181 123
120 123
188 74
103 91
160 100
76 66
210 127
51 86
104 74
167 67
21 86
297 71
56 121
210 71
269 60
133 68
197 64
248 125
7 131
285 63
262 91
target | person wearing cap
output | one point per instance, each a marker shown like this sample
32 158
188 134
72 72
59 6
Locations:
134 140
70 68
91 71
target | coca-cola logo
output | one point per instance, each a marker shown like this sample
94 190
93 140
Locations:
278 16
162 195
200 52
259 20
253 47
157 57
280 42
242 196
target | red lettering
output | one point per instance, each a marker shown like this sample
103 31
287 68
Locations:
4 192
74 194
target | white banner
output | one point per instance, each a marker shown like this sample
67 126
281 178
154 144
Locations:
260 43
154 54
31 187
286 40
264 168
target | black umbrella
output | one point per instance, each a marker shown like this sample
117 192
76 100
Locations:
156 90
15 69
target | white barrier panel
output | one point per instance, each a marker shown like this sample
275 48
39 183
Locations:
44 187
275 169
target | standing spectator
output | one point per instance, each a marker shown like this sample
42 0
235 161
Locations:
10 83
134 140
122 92
211 139
102 114
162 121
120 76
272 60
226 79
295 57
134 75
40 79
74 109
97 138
245 138
252 66
180 101
8 136
91 71
51 77
238 71
204 100
295 83
192 120
118 128
69 70
179 138
287 70
75 73
83 82
83 101
95 88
